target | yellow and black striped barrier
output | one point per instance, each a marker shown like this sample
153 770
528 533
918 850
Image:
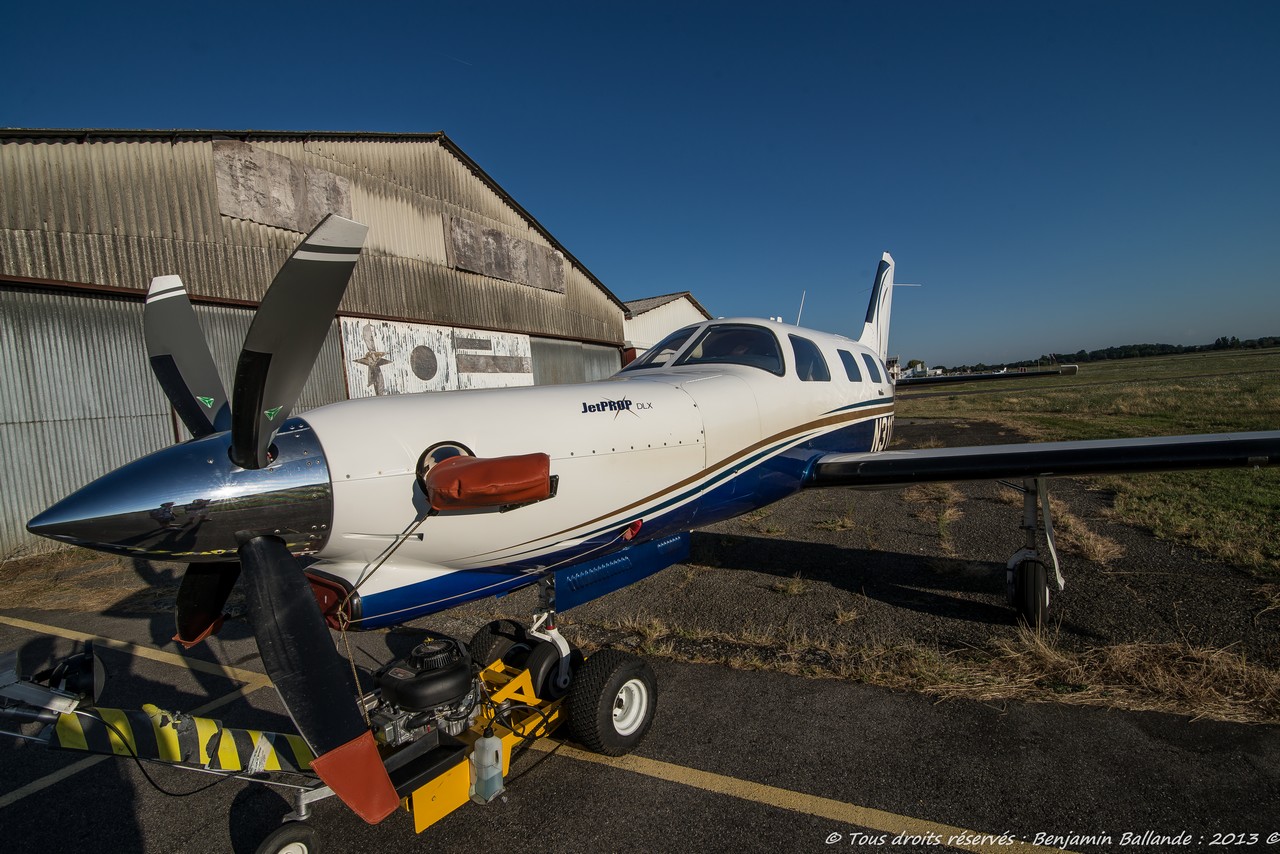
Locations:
152 733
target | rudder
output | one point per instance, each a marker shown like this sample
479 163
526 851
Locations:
875 332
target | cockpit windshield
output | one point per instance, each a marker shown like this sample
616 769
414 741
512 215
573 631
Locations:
736 344
660 354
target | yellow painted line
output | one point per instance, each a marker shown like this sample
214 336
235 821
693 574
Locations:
249 677
844 814
253 682
50 779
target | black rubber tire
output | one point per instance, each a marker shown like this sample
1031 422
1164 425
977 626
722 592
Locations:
594 697
1031 593
543 665
498 640
291 833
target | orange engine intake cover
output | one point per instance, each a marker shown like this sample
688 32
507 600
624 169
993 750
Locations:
463 483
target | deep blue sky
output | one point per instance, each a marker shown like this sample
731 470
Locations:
1057 175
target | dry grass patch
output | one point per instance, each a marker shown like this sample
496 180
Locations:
79 580
938 503
1077 537
932 493
1010 496
793 586
1030 667
843 523
844 616
1270 593
1169 677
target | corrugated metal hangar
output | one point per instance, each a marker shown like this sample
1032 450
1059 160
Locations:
458 286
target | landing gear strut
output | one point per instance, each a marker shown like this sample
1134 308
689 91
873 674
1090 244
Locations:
1026 576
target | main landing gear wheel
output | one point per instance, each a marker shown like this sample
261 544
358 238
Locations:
611 702
1031 593
543 665
292 837
498 640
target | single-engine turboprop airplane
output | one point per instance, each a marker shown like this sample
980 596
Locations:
411 504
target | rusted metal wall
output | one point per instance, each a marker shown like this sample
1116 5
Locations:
76 400
600 362
224 214
558 362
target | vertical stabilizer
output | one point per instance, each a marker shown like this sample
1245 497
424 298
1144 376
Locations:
875 333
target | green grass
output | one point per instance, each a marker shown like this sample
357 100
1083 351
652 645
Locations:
1232 514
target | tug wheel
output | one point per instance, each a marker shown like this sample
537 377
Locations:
292 837
611 702
498 640
1031 593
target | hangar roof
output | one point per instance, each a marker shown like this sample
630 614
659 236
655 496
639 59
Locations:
247 136
640 306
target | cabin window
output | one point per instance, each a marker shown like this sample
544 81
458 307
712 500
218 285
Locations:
736 344
850 366
660 354
810 366
872 368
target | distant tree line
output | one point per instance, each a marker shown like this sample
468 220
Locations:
1129 351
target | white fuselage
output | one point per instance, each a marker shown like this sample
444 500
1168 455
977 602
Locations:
673 447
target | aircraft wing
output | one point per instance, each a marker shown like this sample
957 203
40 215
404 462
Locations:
1048 459
916 382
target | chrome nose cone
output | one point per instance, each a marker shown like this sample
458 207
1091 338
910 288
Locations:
190 502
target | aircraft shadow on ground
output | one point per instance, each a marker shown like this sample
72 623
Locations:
155 603
926 584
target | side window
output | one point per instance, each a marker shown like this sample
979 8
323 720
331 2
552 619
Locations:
659 354
873 370
810 366
850 366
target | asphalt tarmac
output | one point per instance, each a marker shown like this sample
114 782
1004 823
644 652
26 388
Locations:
736 761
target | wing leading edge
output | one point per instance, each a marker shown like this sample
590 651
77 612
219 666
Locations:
1048 459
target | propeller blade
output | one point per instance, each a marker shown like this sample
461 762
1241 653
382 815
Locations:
312 679
201 598
287 334
181 360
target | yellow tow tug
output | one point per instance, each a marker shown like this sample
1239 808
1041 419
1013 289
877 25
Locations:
447 718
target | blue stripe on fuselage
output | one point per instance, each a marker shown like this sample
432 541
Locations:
773 474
